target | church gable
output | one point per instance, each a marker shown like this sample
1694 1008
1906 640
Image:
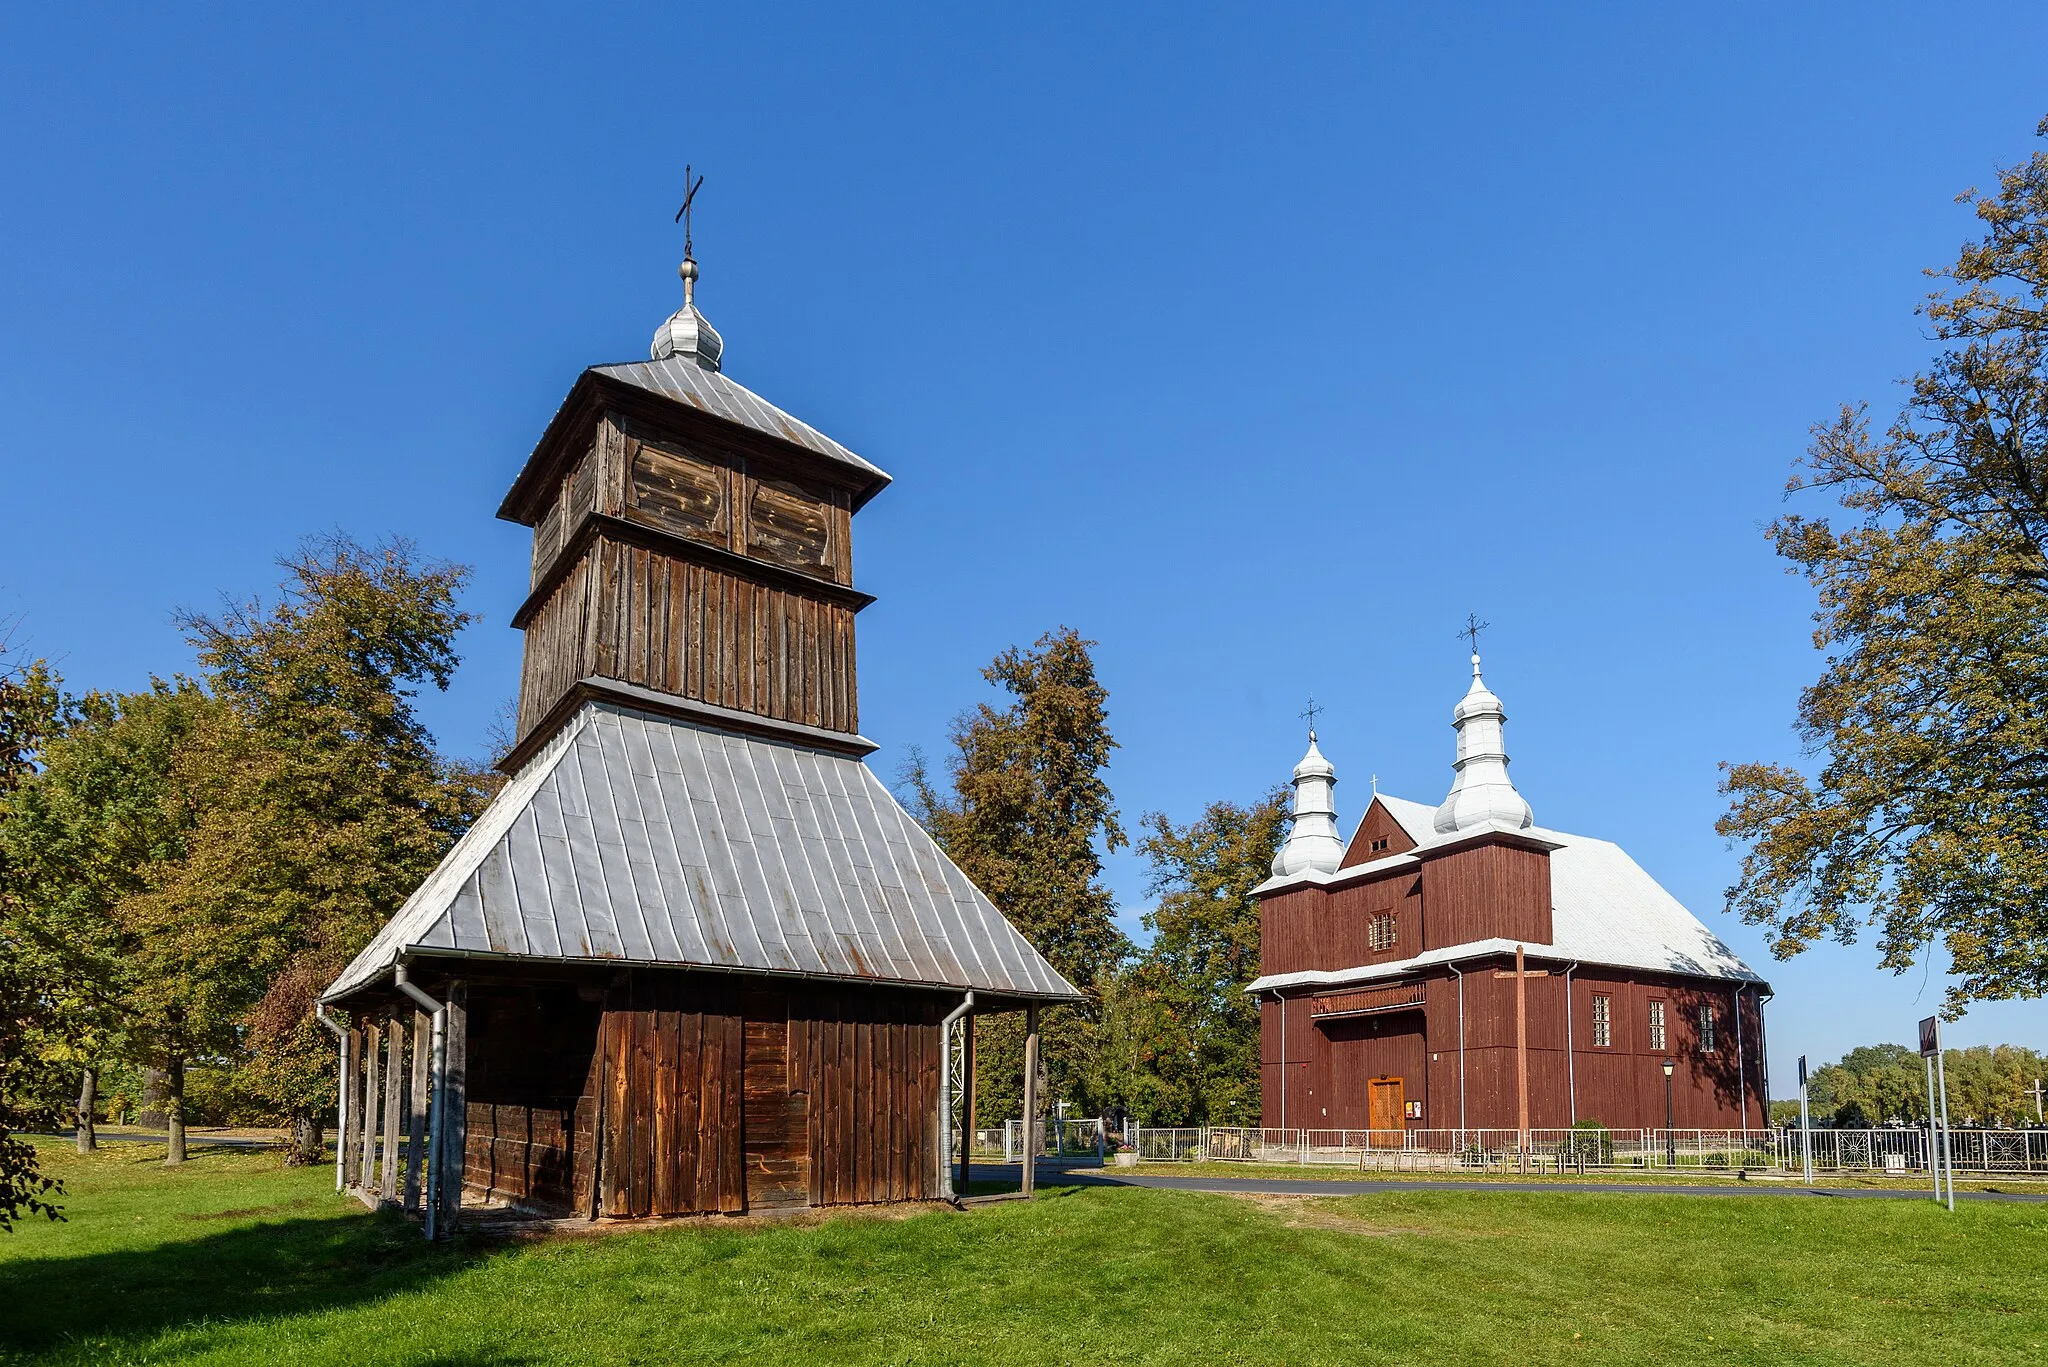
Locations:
1379 834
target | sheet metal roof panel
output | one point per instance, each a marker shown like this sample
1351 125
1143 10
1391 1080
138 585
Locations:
901 940
808 857
1605 909
712 392
422 920
652 840
880 942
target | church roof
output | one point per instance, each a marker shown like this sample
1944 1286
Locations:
1605 909
684 381
633 839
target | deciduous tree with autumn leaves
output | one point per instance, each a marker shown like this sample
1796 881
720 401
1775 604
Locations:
1924 817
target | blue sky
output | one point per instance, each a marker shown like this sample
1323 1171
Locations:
1260 344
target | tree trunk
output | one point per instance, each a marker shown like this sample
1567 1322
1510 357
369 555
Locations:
174 1113
307 1144
150 1113
88 1104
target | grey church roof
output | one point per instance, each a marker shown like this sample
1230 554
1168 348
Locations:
1605 909
683 380
635 839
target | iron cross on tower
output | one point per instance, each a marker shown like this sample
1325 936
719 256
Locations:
690 189
1312 711
1473 626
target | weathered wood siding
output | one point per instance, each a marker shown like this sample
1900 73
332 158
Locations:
668 1093
706 1096
869 1062
708 634
530 1064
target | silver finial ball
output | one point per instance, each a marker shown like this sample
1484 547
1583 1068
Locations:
688 270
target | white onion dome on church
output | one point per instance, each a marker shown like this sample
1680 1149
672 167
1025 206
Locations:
1312 844
1482 794
688 333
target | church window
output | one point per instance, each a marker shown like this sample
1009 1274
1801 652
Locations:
1379 932
1379 846
1603 1022
1656 1026
1706 1029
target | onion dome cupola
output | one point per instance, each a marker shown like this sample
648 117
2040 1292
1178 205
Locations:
1482 794
688 333
1312 844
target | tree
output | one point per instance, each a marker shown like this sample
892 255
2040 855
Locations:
1928 818
1876 1084
329 802
208 857
89 839
32 708
1029 820
1886 1084
1198 1046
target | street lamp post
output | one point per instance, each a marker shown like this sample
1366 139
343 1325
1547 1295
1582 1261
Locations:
1670 1139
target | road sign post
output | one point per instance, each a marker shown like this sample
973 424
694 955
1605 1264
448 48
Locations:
1939 1156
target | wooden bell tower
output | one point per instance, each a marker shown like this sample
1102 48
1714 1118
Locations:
692 552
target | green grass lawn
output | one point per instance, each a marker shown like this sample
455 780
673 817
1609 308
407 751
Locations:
232 1260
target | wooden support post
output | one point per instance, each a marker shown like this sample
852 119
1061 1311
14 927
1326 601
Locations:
966 1101
1030 1097
394 1106
454 1095
1521 977
366 1171
1521 1049
350 1138
416 1113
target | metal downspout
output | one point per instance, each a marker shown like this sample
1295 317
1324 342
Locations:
1763 1053
438 1106
1741 1064
945 1145
1571 1074
1461 1051
341 1076
1281 1001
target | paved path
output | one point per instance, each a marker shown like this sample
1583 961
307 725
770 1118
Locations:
1107 1177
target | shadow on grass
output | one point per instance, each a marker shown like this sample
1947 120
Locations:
280 1268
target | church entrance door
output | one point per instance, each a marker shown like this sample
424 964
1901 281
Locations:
1387 1105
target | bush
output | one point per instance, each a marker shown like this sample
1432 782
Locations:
1589 1143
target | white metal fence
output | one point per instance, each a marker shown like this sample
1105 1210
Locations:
1056 1138
1578 1150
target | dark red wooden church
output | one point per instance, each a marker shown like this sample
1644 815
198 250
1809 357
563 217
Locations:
1390 994
695 957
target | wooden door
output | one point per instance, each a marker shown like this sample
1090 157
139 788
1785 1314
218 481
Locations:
1387 1111
778 1133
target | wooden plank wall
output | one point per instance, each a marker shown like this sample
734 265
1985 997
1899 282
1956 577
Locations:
530 1064
669 1102
869 1061
1473 893
1376 825
1483 891
625 612
710 1097
1328 1063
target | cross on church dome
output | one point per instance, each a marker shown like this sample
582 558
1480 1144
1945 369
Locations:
688 333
